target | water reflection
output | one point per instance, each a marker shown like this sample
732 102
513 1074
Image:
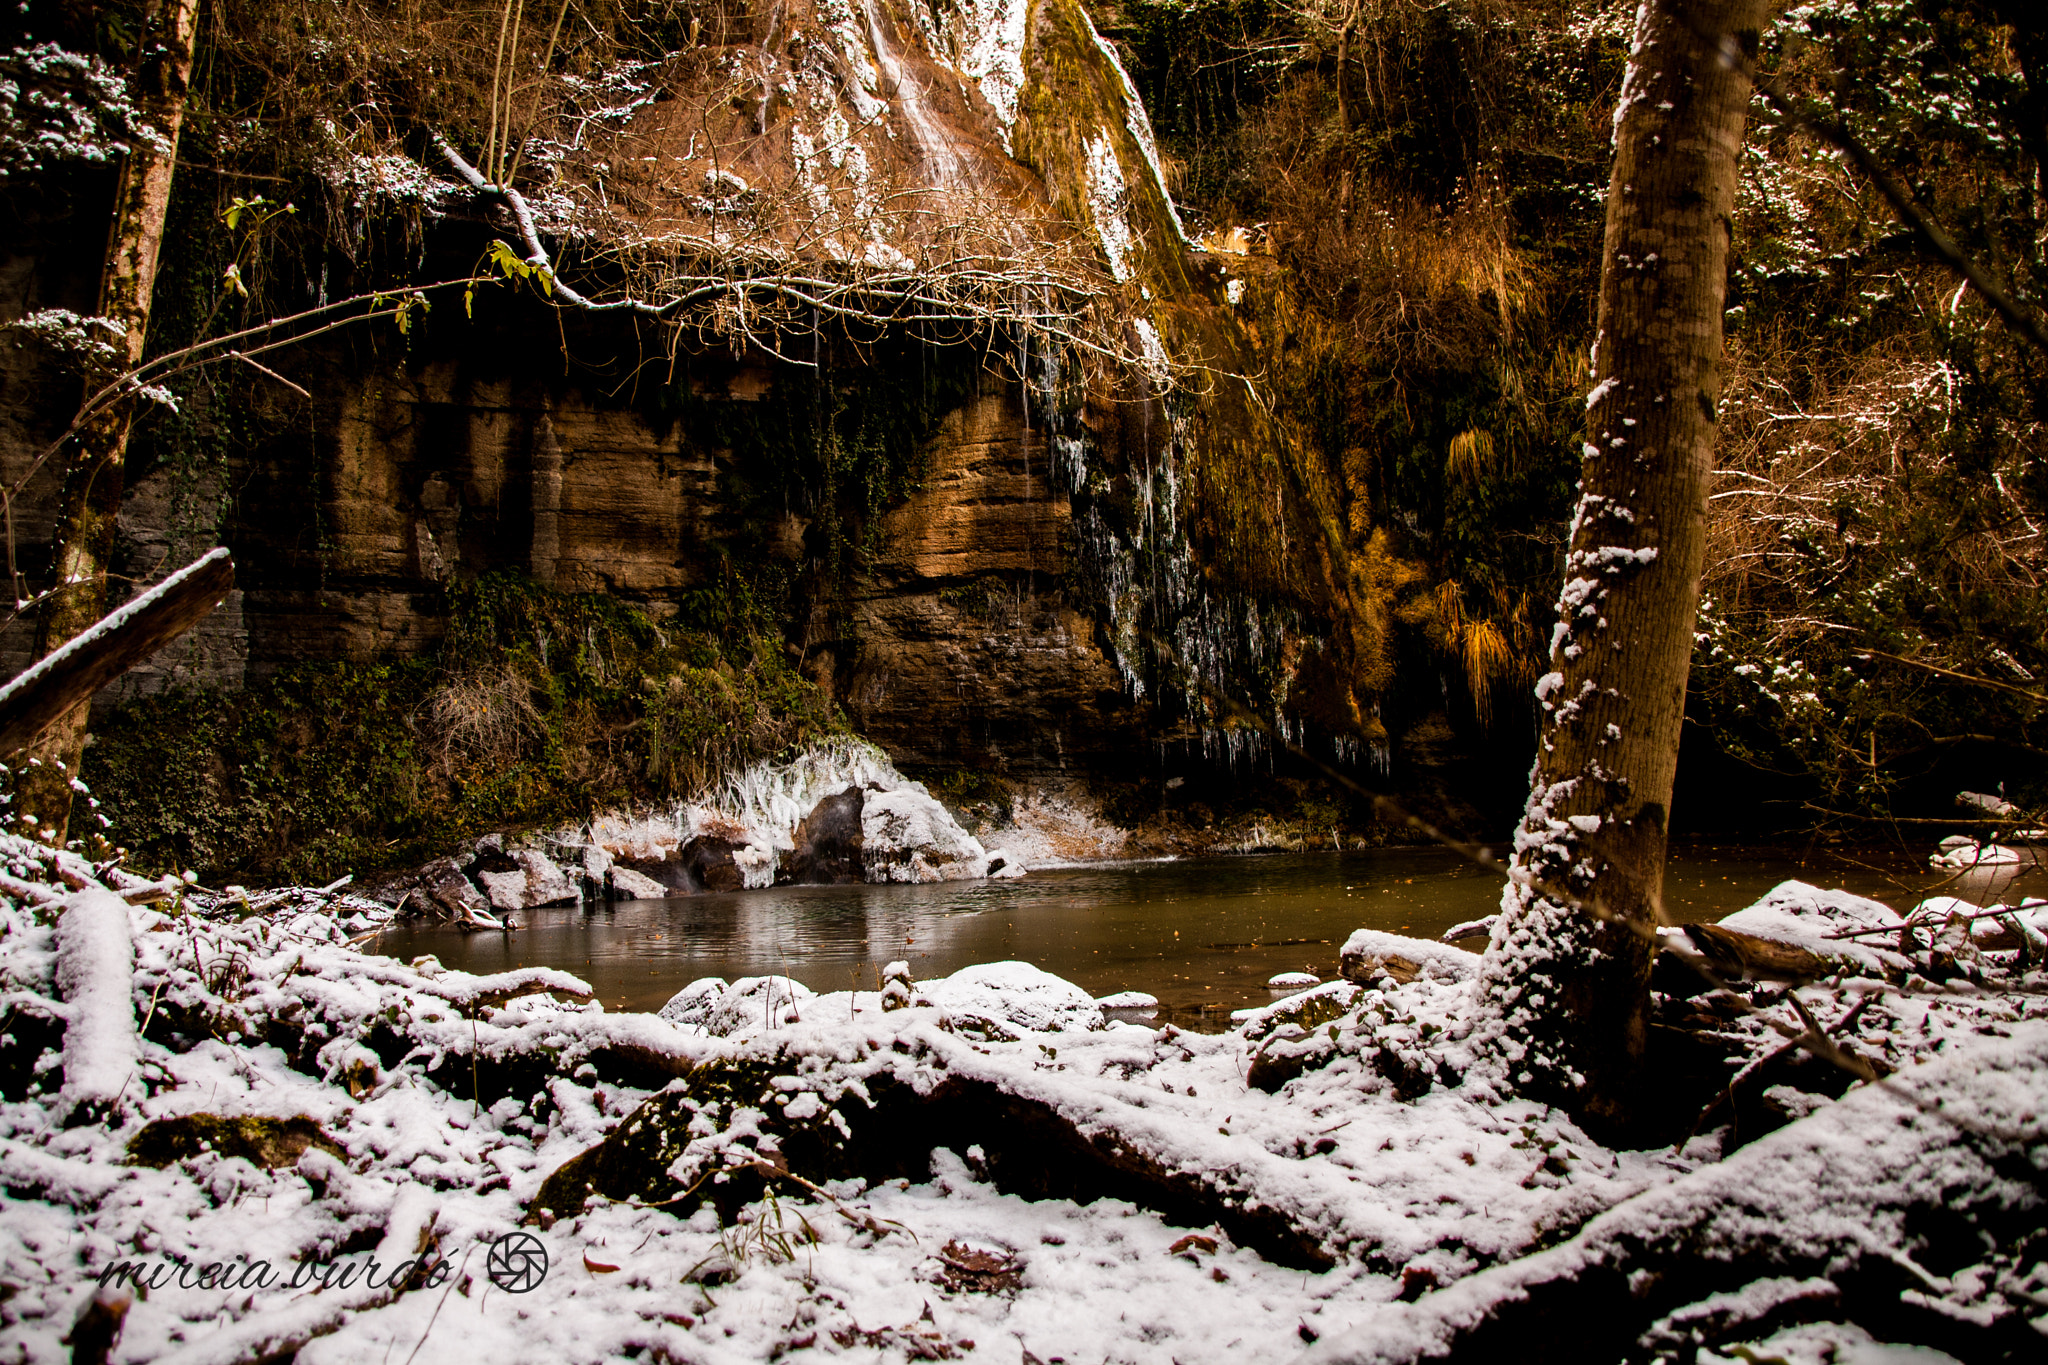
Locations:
1203 935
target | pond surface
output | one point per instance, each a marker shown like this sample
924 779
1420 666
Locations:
1202 934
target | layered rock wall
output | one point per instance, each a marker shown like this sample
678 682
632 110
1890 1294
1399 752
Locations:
1067 573
959 642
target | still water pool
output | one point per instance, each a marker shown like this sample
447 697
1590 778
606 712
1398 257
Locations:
1202 934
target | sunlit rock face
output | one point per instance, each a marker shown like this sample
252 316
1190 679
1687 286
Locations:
1002 609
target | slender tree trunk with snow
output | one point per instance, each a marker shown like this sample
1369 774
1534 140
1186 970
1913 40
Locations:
1566 984
92 469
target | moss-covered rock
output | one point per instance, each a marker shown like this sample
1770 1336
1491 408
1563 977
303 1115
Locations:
716 1135
267 1142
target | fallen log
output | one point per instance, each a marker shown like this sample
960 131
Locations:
1736 956
95 977
889 1129
114 644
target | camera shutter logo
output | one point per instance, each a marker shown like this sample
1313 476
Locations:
517 1262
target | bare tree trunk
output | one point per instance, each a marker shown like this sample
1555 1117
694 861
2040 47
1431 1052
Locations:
1344 123
1566 985
93 471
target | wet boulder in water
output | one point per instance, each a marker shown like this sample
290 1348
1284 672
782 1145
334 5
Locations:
628 885
909 837
444 885
546 884
506 890
711 863
673 875
831 843
533 880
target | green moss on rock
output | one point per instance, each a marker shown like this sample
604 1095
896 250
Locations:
269 1142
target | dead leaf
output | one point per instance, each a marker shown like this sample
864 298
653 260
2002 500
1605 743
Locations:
975 1271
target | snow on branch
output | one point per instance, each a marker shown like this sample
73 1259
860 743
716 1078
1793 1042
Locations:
57 105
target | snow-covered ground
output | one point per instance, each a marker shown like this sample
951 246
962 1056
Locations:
1372 1196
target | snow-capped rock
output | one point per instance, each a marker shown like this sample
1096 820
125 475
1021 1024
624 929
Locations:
909 837
755 1004
1014 996
693 1003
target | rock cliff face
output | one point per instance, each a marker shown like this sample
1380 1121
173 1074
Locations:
972 650
998 610
961 642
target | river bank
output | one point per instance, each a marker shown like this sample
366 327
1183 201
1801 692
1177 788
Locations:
996 1170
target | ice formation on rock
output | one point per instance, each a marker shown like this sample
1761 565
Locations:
912 838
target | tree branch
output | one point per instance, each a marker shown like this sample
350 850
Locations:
1835 132
1951 673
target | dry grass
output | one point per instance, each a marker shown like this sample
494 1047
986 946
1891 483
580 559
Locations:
1832 471
479 719
1470 458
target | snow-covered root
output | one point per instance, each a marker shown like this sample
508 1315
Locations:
96 981
736 1124
1907 1208
279 1333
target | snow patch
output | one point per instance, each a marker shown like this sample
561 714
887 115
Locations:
994 56
95 978
1107 195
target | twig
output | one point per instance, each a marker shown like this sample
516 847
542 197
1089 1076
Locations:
237 355
1951 673
1756 1064
437 1306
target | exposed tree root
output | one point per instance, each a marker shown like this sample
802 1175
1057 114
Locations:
1028 1148
1868 1212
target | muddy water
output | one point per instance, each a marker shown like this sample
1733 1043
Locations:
1203 935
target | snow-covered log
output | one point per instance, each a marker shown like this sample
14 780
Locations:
1370 954
1908 1199
96 981
103 652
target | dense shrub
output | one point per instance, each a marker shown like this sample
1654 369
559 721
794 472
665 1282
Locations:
539 707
